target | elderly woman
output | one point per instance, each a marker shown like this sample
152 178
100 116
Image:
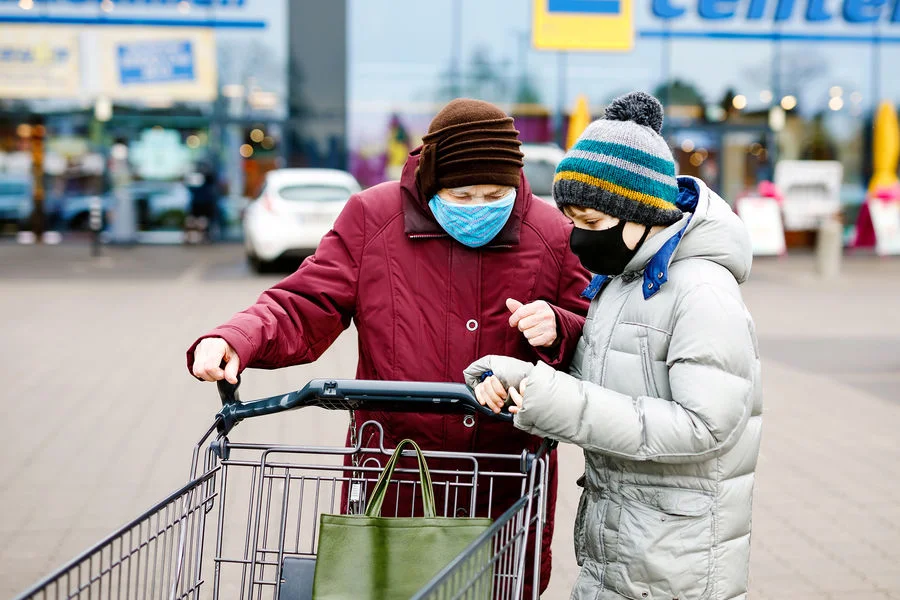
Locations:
455 260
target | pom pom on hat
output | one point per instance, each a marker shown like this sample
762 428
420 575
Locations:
639 107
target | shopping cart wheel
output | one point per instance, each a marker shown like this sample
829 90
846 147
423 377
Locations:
297 578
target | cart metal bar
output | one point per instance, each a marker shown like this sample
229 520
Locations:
499 530
354 394
64 571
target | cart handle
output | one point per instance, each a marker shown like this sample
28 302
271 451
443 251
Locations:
356 394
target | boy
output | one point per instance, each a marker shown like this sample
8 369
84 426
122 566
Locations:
665 394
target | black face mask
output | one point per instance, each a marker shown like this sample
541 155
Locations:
604 252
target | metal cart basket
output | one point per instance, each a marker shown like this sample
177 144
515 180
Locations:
245 525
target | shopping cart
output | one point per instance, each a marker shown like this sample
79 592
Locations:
245 525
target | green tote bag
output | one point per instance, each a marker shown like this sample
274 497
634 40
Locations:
370 557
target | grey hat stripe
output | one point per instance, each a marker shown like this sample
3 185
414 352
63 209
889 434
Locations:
623 164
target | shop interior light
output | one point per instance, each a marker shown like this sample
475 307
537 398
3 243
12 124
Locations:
107 6
836 91
739 102
103 109
263 100
26 4
268 142
23 130
836 103
184 7
246 150
193 142
257 135
856 97
687 145
766 96
776 118
789 102
697 159
233 90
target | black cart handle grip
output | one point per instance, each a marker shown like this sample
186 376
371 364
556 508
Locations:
356 394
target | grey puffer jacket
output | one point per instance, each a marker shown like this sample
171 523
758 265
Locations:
666 402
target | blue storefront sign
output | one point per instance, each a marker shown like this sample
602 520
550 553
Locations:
220 14
812 11
156 61
173 3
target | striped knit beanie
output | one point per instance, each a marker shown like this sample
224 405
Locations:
621 165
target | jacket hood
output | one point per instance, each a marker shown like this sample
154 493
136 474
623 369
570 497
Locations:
709 230
715 232
419 221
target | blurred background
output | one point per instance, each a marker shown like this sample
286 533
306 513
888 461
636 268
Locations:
151 153
110 95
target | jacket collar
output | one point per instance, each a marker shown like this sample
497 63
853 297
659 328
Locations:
655 256
419 222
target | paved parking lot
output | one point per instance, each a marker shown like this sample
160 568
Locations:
101 416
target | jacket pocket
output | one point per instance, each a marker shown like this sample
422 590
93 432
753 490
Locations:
579 524
589 522
647 367
665 543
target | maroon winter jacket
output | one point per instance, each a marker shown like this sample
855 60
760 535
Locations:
425 307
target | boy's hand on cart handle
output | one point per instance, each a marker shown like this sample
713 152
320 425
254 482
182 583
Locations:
517 396
208 358
535 320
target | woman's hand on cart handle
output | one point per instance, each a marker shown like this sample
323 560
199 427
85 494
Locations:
214 360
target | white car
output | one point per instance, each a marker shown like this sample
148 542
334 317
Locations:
294 210
540 167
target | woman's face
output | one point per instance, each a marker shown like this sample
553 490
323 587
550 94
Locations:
475 194
596 220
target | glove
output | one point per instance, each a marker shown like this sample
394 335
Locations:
510 371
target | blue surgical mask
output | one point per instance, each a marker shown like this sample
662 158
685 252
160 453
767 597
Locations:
473 225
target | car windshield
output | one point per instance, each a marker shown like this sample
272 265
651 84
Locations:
13 188
540 175
314 193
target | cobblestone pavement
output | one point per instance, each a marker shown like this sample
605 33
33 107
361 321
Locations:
101 416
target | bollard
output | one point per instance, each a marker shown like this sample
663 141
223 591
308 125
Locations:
829 248
96 224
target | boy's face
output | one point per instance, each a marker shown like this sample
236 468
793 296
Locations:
596 220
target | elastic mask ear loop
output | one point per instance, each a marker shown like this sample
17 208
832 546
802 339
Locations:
640 243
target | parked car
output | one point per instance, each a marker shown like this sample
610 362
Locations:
540 167
158 204
294 210
15 199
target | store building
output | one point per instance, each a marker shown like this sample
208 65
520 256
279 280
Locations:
354 83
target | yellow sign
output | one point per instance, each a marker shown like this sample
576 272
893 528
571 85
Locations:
583 25
38 62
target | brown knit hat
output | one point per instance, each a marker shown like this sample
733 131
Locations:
469 142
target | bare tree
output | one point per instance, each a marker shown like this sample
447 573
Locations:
792 74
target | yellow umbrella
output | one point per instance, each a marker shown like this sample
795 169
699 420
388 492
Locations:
578 120
885 148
